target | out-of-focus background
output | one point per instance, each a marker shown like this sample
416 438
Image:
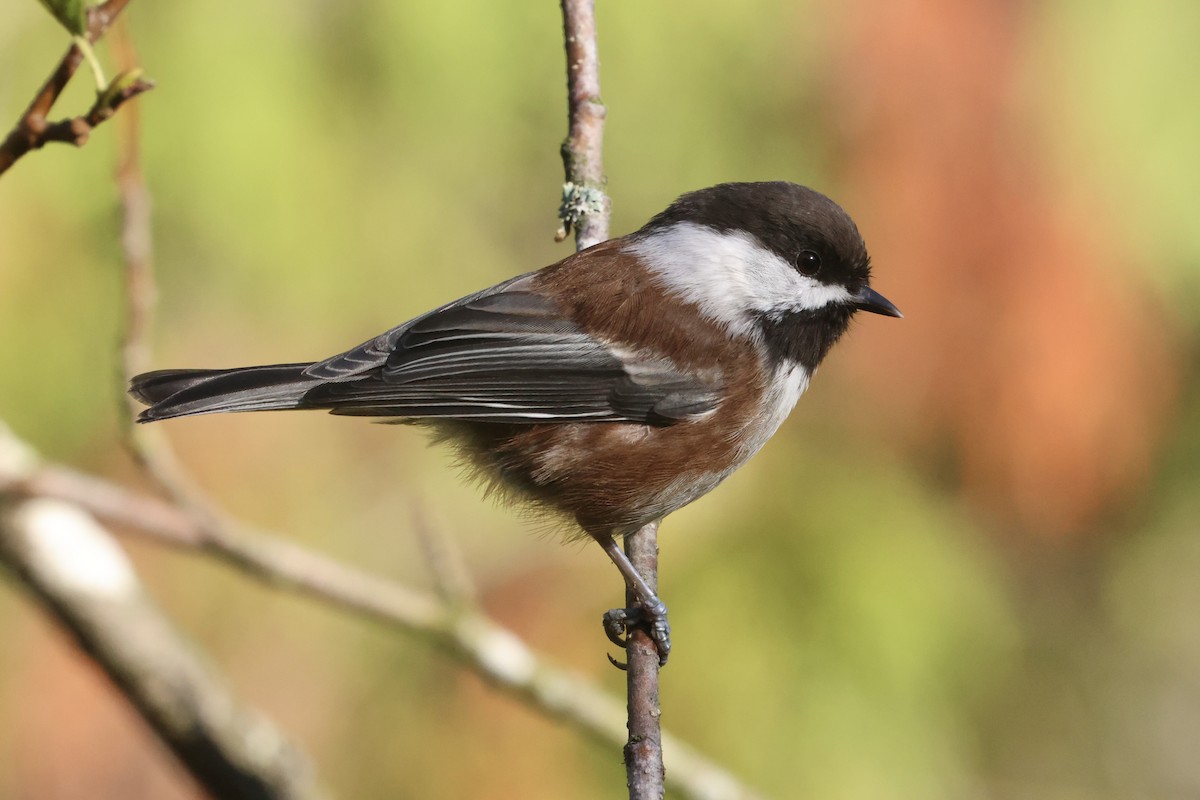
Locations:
972 552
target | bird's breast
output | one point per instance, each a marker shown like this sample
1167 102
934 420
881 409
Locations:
618 476
730 438
777 401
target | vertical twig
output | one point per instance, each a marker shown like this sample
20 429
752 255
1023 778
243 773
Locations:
586 208
148 447
137 244
643 752
137 248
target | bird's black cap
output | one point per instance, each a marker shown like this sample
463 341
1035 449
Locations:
785 218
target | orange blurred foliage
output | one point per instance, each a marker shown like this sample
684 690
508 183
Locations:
1032 346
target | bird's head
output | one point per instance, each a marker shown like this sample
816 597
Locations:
774 261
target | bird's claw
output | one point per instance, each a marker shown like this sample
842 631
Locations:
652 618
616 623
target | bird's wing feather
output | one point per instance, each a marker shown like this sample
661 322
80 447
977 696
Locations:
507 354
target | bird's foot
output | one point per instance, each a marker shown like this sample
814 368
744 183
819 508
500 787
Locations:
651 617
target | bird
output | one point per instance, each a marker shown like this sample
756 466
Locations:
608 389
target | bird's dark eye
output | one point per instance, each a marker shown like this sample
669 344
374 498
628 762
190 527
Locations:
809 263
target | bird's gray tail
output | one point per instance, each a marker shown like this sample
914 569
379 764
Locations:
185 392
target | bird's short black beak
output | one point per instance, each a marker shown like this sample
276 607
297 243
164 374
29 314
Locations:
868 299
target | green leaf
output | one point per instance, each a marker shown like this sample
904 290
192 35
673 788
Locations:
71 14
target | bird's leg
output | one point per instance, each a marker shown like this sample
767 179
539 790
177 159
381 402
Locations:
650 612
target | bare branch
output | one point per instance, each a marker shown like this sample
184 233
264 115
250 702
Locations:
149 448
478 643
585 206
33 129
137 242
272 560
643 752
85 580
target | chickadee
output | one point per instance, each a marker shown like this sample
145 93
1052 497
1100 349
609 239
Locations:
613 387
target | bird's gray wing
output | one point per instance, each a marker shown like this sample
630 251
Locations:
506 355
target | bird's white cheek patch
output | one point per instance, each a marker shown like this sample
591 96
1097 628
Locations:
730 276
705 267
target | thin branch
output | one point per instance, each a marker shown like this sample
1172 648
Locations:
82 577
643 752
149 448
33 129
473 639
585 207
137 242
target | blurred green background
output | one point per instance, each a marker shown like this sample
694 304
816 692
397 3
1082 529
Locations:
975 545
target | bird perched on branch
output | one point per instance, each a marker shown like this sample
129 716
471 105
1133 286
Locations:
613 387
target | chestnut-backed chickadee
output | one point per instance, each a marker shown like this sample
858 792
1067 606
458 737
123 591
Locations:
613 387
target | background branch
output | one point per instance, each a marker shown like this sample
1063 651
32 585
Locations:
137 241
148 446
83 578
470 637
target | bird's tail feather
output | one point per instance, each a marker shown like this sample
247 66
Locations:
185 392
